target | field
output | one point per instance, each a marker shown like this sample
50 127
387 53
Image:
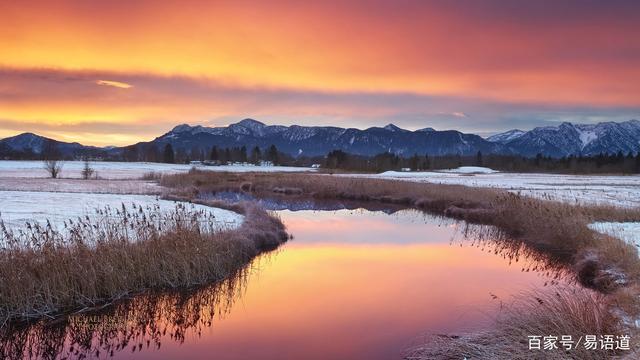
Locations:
553 215
119 230
123 170
20 207
616 190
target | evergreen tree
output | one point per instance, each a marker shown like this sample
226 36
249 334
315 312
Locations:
272 154
243 154
169 156
213 156
227 155
256 156
414 162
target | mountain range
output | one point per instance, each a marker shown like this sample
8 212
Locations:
555 141
574 139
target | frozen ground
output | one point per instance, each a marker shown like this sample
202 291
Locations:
627 231
471 170
585 189
123 170
19 207
81 186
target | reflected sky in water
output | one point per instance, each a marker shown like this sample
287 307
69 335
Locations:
352 284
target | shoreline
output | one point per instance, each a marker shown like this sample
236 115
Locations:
600 262
66 273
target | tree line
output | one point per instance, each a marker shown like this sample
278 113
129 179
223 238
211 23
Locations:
337 159
602 163
215 155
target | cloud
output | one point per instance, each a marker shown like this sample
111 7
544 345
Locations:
69 104
116 84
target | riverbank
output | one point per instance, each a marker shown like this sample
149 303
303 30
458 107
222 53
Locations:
46 272
600 262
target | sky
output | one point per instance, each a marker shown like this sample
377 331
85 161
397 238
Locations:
119 72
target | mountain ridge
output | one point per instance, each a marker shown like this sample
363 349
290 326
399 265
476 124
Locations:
560 140
568 139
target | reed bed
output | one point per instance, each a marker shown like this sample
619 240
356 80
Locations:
569 310
96 260
559 229
603 263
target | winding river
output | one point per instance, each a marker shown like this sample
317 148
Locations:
352 284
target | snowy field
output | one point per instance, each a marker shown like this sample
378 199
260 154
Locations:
584 189
124 170
81 186
19 207
627 231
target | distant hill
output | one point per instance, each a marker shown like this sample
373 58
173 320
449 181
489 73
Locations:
319 140
555 141
29 145
574 139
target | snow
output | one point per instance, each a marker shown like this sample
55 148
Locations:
583 189
19 207
471 170
627 231
81 186
507 136
587 136
467 170
125 170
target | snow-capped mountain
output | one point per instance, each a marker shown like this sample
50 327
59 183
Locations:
506 136
319 140
555 141
574 139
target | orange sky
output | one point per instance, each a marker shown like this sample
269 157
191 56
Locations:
72 69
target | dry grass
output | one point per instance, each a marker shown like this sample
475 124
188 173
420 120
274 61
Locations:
143 322
565 311
558 230
94 261
555 228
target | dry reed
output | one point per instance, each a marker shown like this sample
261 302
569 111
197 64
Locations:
96 260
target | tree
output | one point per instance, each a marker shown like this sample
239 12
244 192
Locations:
50 157
168 156
151 153
87 170
213 156
243 154
479 158
336 159
272 154
227 155
414 162
53 167
256 156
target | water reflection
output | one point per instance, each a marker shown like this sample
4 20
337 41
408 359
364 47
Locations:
353 284
294 203
134 325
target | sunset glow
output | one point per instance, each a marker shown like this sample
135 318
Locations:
70 67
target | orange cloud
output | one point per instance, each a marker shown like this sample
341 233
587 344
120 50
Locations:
294 60
117 84
577 54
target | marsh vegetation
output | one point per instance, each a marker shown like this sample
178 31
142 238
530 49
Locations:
120 252
599 262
